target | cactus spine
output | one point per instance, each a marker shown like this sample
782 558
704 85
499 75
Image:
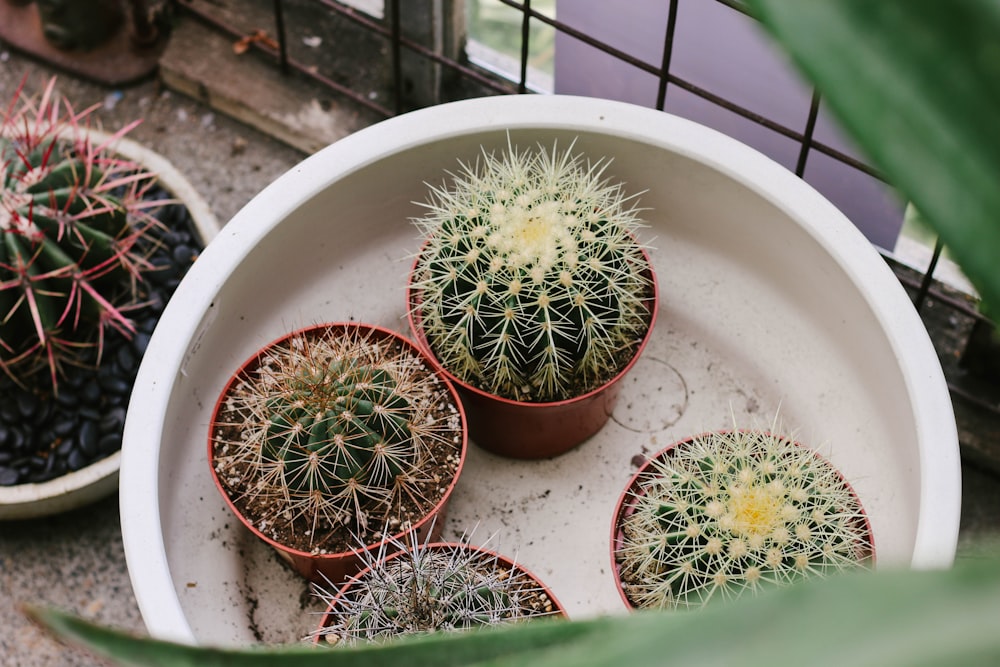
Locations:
531 284
72 216
428 588
728 513
334 426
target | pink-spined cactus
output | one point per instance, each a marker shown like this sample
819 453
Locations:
73 217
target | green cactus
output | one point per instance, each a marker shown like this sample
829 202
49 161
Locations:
347 415
335 425
531 284
426 588
73 221
729 513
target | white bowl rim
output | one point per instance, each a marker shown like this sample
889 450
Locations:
937 530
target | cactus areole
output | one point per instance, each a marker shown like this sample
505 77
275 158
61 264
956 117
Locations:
331 433
531 284
731 513
71 215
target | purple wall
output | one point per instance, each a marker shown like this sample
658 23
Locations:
724 52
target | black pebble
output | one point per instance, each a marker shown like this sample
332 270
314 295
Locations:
163 270
43 413
45 434
126 358
16 440
76 460
156 304
140 343
8 476
183 255
65 447
27 405
148 324
87 438
67 398
64 426
113 420
9 412
90 413
172 239
91 393
115 401
58 468
176 238
115 385
74 378
110 443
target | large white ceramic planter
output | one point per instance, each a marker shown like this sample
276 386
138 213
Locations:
770 297
100 479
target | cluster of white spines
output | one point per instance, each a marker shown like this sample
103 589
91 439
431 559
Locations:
396 470
731 512
430 588
531 279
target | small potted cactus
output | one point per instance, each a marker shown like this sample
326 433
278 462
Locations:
535 295
730 513
334 434
91 250
427 587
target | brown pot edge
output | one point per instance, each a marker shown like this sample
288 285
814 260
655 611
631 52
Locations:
290 554
487 552
626 497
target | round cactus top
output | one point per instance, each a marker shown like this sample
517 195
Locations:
729 513
333 432
531 282
339 424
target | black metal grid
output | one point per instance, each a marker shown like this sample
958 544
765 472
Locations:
921 284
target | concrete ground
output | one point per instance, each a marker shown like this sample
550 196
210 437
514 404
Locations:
76 561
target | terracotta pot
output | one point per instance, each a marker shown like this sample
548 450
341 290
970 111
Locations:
627 501
526 430
487 555
337 567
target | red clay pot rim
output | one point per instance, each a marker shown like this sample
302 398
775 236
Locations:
654 306
382 331
558 610
626 498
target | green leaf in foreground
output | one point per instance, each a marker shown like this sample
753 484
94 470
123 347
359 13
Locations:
917 84
883 619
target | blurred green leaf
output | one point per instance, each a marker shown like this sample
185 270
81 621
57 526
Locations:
917 84
882 619
423 651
